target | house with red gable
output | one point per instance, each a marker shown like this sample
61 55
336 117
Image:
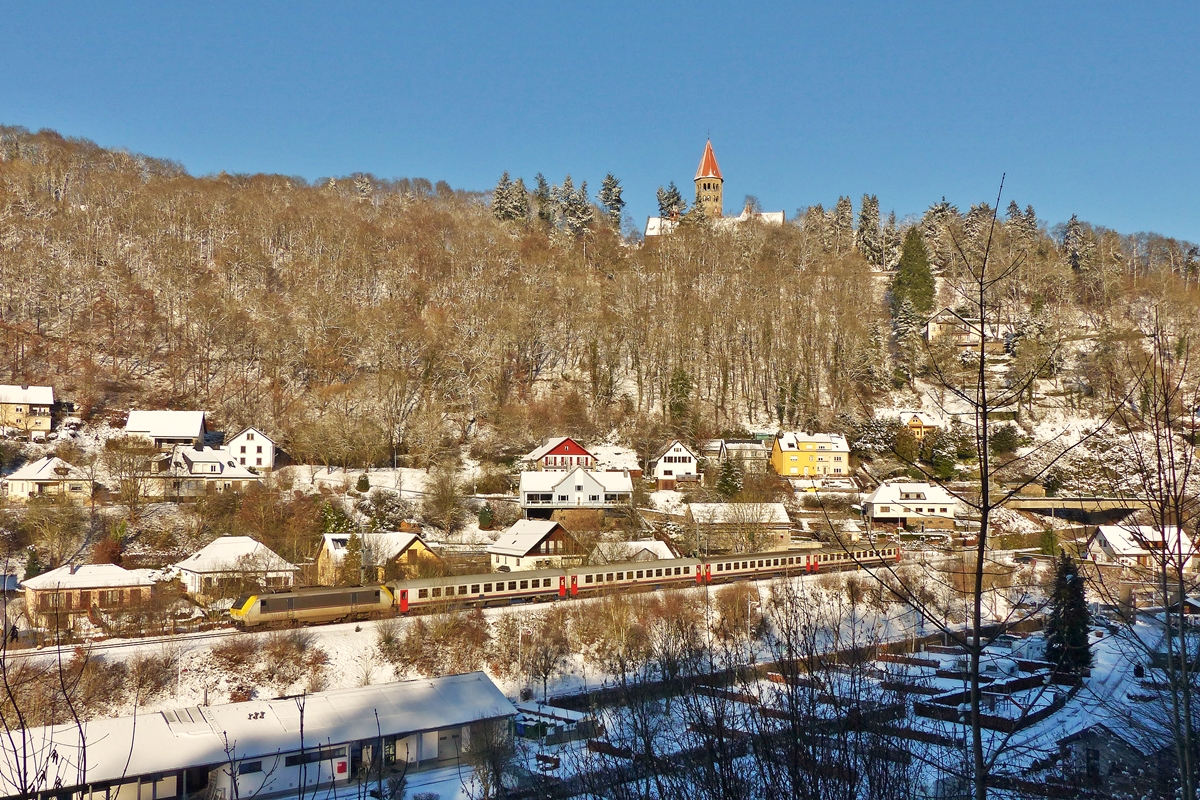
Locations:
563 453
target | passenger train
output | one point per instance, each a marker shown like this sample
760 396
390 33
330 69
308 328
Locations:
324 604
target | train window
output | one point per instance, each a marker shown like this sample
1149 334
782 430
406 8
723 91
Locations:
262 606
422 593
608 576
587 578
487 587
745 565
688 570
512 586
437 592
639 573
474 588
376 595
776 562
620 576
524 584
462 589
720 567
658 573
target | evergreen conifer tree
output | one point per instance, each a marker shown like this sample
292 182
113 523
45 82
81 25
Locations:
610 198
914 280
730 479
519 200
841 224
867 237
1076 246
543 198
670 202
891 242
33 563
501 197
1067 643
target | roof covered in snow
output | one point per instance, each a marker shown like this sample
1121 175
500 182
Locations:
552 444
636 550
1140 540
549 481
739 513
380 546
922 418
27 395
166 424
792 440
228 553
523 536
90 576
47 469
901 492
196 736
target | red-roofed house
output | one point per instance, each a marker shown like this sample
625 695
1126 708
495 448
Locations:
563 453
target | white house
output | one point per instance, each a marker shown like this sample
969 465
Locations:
46 476
195 471
230 560
253 449
911 503
1141 546
534 544
543 492
168 428
675 462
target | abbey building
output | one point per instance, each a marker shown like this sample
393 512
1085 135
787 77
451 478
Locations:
710 187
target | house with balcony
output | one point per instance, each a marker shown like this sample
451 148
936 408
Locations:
168 429
542 493
535 544
673 463
189 472
912 504
26 408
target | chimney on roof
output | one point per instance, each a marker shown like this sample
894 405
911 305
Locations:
73 568
24 386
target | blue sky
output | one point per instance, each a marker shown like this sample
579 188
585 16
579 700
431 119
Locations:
1090 108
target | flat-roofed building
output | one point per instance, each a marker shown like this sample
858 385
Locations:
256 748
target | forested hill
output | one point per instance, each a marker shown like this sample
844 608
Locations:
358 312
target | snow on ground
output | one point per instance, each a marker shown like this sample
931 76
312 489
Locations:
668 501
615 457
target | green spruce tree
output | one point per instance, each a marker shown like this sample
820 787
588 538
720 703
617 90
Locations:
1067 643
670 202
867 238
914 280
730 478
544 200
610 199
500 197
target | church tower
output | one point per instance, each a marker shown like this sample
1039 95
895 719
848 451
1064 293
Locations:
709 183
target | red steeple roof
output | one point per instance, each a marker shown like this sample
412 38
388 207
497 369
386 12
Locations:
708 164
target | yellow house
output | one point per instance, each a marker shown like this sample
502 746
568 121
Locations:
26 408
383 556
918 423
813 455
